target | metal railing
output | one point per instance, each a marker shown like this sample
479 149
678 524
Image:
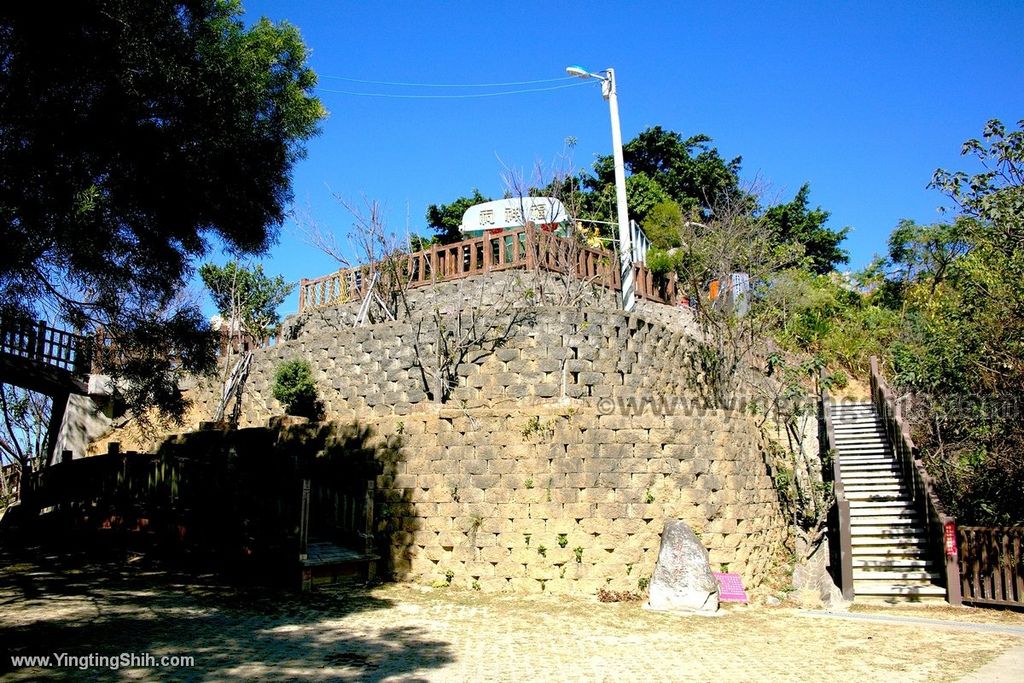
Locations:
524 248
940 527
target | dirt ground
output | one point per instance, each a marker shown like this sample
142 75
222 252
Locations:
393 632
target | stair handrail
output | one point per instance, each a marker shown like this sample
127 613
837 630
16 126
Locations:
940 527
842 504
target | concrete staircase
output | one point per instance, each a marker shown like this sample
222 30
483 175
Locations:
890 557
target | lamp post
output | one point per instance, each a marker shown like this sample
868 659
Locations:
607 79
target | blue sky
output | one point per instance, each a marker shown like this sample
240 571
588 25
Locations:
861 100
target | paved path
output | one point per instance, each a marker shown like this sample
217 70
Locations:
921 621
403 633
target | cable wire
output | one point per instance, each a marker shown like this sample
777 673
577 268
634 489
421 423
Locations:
447 85
449 97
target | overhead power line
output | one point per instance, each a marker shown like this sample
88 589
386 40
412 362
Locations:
447 85
449 97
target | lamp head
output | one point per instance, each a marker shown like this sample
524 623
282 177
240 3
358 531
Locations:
578 72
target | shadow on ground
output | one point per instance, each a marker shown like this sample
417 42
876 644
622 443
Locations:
56 602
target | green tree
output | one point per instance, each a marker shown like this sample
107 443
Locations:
690 171
961 351
664 224
446 219
797 223
131 135
245 297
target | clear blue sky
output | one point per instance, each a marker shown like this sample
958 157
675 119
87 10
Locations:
862 100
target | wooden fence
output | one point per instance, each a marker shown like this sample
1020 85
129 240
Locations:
213 501
992 565
939 526
839 515
37 341
523 248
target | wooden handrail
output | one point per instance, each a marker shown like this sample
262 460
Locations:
40 342
842 504
523 248
940 527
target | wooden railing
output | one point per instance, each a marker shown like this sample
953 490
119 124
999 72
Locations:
37 341
524 248
992 565
940 527
840 512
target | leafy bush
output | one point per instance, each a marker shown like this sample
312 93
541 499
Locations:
295 389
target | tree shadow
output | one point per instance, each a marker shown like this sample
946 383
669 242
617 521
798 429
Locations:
109 608
134 590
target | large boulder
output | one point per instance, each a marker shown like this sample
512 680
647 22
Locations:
682 580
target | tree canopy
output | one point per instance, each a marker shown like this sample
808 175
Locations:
690 172
796 222
445 219
245 297
131 135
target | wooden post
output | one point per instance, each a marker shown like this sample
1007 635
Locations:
487 252
531 247
302 294
304 521
40 341
368 535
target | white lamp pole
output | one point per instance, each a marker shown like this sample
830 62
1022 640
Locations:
625 241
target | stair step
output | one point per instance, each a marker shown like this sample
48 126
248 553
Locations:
903 589
875 551
872 485
863 515
876 460
864 490
859 469
884 531
894 563
894 523
881 504
913 575
874 496
870 476
862 451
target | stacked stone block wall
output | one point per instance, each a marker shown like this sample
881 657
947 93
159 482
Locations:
544 470
551 355
564 501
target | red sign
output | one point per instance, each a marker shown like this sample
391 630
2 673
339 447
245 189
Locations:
950 538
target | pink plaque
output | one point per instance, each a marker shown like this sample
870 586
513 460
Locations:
730 587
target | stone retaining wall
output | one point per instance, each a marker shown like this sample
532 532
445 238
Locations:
551 355
540 472
571 501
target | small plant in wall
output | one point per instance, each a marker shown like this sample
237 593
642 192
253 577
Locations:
542 551
563 540
578 552
534 427
295 388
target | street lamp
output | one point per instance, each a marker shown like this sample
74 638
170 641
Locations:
607 78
